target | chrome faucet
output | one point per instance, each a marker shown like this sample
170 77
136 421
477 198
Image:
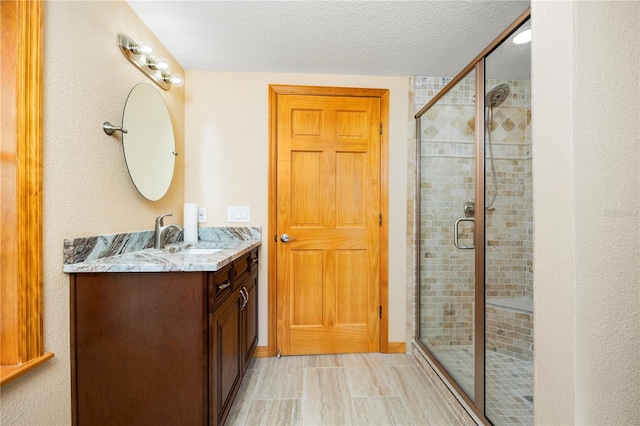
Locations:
160 228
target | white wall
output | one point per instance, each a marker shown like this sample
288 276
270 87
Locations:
87 189
227 160
586 152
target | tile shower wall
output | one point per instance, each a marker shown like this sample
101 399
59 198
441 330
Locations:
509 332
509 225
447 170
447 177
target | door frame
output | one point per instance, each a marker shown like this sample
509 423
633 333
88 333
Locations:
382 94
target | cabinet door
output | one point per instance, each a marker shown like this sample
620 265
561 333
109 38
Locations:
250 320
225 357
138 349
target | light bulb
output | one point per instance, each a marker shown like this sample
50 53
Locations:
176 80
144 47
162 64
523 37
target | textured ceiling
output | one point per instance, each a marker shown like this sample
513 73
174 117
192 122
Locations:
401 38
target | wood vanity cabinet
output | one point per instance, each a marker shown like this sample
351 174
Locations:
161 348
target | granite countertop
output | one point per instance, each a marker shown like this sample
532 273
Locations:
174 257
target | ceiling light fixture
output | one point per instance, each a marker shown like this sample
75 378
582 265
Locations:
141 55
523 37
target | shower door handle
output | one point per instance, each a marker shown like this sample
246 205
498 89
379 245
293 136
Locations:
455 233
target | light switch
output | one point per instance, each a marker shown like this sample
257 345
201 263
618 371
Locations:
238 214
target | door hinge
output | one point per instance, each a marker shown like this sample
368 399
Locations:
380 128
380 219
380 311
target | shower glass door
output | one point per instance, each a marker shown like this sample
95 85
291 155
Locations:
474 256
446 151
508 234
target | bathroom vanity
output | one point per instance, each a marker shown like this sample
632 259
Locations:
167 338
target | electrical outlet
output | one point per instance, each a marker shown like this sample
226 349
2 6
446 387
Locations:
202 214
238 214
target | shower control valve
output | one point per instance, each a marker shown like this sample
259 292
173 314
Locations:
470 208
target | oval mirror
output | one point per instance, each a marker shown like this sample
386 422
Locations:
149 145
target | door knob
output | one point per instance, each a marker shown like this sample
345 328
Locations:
284 238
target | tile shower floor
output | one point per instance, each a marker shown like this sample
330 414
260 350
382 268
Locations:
509 383
350 389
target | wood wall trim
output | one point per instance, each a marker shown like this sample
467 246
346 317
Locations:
397 348
24 301
29 134
327 91
10 372
261 352
271 245
384 230
383 94
9 211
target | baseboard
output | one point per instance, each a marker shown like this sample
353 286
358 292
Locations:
393 348
261 352
397 347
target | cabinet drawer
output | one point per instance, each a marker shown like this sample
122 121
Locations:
244 265
241 267
253 260
220 285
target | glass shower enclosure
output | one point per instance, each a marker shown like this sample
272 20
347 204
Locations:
474 316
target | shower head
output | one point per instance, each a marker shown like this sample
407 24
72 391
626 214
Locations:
496 96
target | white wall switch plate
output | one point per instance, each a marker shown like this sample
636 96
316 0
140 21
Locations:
238 214
202 214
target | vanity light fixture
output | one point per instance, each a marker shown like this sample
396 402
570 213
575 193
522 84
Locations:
141 55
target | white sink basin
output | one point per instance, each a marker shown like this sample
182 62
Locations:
196 250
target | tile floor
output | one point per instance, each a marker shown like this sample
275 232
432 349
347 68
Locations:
350 389
509 383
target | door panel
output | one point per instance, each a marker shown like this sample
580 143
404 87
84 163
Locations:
351 286
350 202
328 202
306 210
306 288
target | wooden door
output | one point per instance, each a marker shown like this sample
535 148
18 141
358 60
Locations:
328 203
